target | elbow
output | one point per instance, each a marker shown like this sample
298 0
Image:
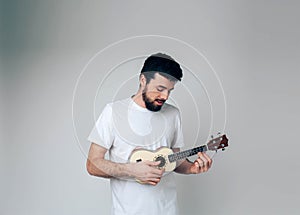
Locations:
94 171
90 168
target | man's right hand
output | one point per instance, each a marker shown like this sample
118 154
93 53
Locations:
146 172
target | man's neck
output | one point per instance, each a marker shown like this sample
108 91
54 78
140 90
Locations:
138 99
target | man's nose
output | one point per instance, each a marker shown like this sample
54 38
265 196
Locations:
164 95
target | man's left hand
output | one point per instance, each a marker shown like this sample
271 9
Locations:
202 164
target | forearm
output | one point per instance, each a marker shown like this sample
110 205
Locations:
184 167
145 172
107 169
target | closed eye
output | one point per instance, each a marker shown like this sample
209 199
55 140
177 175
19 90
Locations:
160 89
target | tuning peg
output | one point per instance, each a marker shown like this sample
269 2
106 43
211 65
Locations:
223 149
219 133
212 136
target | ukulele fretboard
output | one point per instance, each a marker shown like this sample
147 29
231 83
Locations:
187 153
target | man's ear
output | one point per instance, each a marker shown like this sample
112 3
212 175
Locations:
143 80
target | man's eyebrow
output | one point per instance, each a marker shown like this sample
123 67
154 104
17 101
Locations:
165 87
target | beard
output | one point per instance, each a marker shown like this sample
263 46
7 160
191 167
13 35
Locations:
150 105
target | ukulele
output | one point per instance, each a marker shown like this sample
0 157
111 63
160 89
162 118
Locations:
168 158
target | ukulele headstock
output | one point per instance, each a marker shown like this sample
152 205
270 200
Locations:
217 143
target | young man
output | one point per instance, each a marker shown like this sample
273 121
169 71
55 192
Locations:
142 121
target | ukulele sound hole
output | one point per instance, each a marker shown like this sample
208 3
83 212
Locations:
162 161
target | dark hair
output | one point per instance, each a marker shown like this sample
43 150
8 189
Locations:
162 64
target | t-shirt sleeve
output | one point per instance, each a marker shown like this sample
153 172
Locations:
178 141
102 133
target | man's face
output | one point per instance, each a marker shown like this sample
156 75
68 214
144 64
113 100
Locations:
157 91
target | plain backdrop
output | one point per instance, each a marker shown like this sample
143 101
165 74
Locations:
48 104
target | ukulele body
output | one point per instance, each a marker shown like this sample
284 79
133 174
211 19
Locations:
160 154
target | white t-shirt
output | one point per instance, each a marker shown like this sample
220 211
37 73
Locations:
124 126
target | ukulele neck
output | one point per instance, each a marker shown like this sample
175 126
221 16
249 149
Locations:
187 153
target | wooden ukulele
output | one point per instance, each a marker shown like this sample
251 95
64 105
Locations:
168 158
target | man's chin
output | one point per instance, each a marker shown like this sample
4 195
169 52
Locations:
154 108
154 105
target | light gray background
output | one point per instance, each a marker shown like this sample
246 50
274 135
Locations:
253 46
